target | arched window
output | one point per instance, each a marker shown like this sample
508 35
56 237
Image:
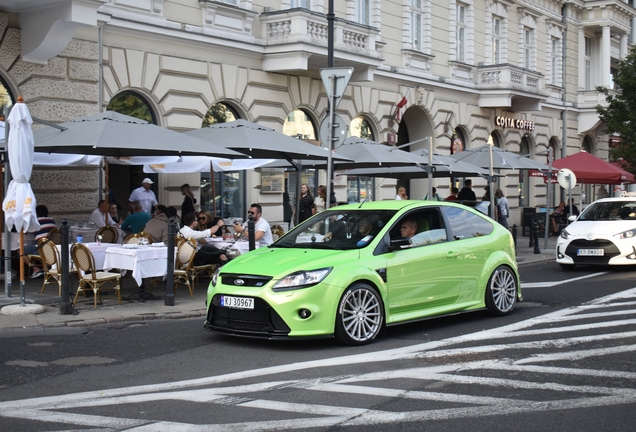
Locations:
299 125
361 128
220 112
132 104
226 198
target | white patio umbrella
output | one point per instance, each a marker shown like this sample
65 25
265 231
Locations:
19 203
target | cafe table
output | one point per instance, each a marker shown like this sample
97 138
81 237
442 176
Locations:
97 249
144 261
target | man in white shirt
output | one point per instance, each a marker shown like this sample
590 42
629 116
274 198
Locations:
262 230
145 196
98 217
206 253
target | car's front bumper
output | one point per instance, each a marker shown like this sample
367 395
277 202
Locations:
615 252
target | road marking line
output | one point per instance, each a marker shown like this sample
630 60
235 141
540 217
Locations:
525 285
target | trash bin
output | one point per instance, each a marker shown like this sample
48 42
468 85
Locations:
526 220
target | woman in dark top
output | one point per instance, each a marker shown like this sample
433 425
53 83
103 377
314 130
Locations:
306 206
188 201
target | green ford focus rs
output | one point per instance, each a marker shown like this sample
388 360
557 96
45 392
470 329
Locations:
351 270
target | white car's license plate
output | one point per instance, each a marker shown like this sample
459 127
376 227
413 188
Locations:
590 252
237 302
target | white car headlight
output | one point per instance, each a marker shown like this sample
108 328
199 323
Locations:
626 234
565 234
301 279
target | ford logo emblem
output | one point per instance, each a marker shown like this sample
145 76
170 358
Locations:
239 282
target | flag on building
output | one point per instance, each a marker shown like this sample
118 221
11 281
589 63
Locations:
400 105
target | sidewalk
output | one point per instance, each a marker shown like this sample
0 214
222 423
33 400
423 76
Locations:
133 310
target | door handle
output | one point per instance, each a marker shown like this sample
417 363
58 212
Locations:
452 254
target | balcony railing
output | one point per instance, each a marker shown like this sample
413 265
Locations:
506 76
303 26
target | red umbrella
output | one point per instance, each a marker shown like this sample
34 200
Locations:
590 169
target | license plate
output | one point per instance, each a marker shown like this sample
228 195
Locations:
590 252
237 302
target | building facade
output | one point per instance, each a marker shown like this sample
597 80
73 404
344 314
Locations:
518 74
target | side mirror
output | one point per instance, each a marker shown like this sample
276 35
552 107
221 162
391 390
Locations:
572 218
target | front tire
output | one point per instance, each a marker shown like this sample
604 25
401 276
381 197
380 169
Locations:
501 292
360 315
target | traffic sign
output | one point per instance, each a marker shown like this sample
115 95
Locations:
341 77
339 132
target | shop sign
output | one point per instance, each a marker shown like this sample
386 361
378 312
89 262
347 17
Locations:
509 122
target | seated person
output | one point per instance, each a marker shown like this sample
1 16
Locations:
408 228
262 231
575 209
98 217
157 227
137 220
367 229
206 252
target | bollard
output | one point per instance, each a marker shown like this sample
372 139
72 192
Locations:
531 236
535 235
250 232
514 235
66 308
172 229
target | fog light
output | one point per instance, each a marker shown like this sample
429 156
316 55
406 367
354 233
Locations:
304 313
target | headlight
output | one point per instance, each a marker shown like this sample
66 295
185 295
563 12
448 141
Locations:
301 279
565 234
215 276
626 234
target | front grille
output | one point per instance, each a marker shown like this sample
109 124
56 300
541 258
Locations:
260 322
234 279
610 251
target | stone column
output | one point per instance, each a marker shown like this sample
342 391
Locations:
582 58
605 56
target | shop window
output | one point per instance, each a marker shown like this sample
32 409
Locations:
133 105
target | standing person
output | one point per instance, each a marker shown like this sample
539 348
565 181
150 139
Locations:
504 209
47 224
98 217
188 200
434 197
321 200
467 193
145 196
401 194
453 194
262 230
137 220
306 206
113 212
206 252
555 217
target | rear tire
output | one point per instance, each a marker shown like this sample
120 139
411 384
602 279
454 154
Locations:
501 292
360 315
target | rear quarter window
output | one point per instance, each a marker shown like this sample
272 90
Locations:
464 224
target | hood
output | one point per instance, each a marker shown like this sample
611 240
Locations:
278 262
163 217
599 228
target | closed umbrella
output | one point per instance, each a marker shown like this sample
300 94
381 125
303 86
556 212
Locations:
19 203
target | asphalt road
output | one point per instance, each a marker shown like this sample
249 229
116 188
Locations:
562 361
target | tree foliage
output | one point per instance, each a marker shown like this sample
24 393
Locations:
132 105
620 114
218 113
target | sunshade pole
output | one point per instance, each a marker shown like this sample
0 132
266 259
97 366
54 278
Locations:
430 167
7 233
546 232
22 294
491 172
213 189
299 168
106 191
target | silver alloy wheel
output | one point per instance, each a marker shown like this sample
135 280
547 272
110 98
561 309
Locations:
501 294
360 315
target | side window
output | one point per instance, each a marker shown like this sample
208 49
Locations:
465 224
419 228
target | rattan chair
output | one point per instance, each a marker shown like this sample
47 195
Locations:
146 236
109 234
277 232
90 278
185 258
35 260
50 264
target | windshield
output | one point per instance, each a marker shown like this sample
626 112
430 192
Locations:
337 229
609 210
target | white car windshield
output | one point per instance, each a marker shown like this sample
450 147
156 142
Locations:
609 210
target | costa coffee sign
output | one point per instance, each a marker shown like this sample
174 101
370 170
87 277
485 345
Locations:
509 122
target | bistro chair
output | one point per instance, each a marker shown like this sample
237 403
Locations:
35 260
145 235
50 264
90 278
182 270
109 234
206 270
277 232
132 239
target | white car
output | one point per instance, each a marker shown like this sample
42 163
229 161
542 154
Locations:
603 234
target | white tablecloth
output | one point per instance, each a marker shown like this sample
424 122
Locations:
145 262
98 251
88 234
